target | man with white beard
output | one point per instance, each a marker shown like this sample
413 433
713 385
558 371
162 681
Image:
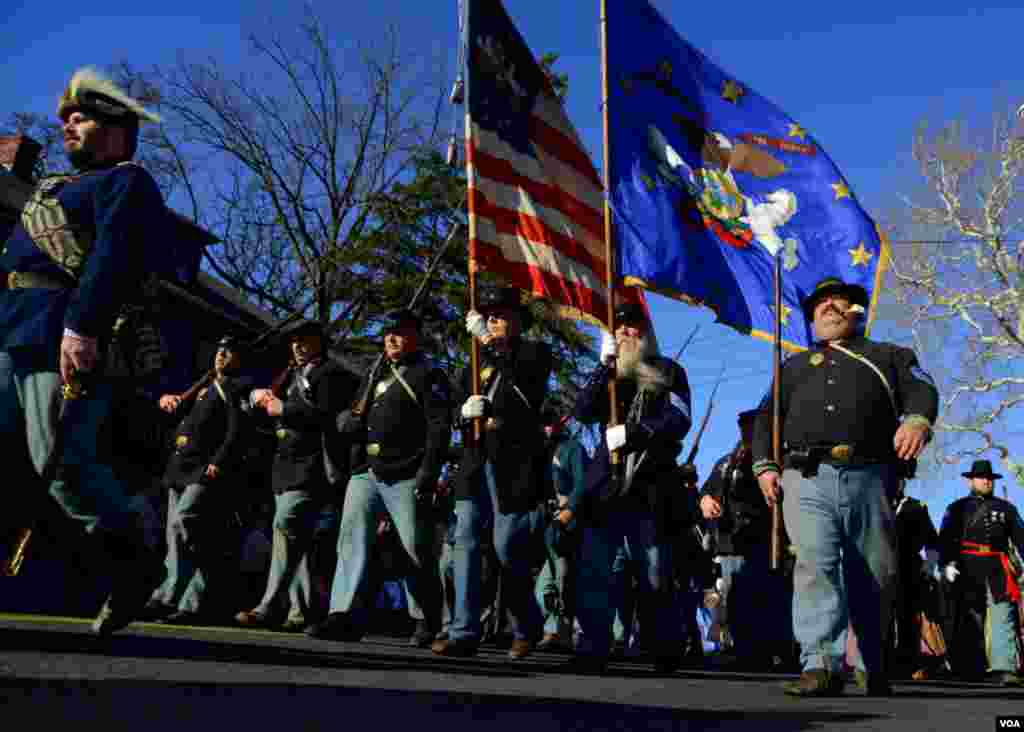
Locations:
624 506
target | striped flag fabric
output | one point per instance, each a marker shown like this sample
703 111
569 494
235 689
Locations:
536 203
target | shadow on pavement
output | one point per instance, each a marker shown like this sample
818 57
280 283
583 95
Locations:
154 706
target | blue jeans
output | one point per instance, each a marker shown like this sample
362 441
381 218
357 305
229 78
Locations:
193 552
365 495
86 489
843 528
517 541
1003 642
632 532
553 591
289 585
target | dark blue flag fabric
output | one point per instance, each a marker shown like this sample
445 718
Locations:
710 181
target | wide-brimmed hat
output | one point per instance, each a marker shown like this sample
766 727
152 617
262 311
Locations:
981 469
490 299
399 319
91 91
747 416
230 343
301 327
856 294
631 313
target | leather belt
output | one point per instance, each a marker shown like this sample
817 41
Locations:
839 454
34 280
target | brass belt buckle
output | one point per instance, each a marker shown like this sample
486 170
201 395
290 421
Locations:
12 280
282 433
492 423
841 453
373 449
181 440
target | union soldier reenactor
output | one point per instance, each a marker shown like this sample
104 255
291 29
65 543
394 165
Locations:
977 540
499 480
631 513
199 479
82 250
305 404
855 412
756 598
396 458
915 533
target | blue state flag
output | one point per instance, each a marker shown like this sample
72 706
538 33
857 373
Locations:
710 181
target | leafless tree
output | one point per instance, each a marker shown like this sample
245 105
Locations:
958 276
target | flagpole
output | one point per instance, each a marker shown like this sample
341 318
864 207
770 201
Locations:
474 349
609 249
776 545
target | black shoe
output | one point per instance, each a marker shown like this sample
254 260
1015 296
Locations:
134 583
294 625
156 612
186 617
872 684
1010 680
668 664
336 627
422 637
815 683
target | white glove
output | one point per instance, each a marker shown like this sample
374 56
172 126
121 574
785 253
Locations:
616 437
721 585
951 573
475 406
476 324
609 347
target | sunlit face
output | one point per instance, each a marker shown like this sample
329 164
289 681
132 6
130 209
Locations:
982 486
306 347
400 341
226 359
629 337
830 321
89 142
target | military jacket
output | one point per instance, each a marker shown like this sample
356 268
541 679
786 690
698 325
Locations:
307 425
114 210
211 433
830 398
513 440
745 523
655 428
986 521
405 436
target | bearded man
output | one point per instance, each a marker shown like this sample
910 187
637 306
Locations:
624 505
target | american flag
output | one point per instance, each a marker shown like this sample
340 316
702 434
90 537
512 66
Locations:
535 200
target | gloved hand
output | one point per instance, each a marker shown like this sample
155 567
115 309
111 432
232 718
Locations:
616 437
476 324
721 585
475 406
951 573
609 348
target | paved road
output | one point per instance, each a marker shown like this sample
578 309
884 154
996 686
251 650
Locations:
153 678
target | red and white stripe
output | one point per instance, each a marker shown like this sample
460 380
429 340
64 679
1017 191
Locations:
539 221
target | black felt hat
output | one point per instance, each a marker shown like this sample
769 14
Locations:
398 319
981 469
856 294
490 299
301 327
631 313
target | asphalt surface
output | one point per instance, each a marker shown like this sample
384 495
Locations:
154 677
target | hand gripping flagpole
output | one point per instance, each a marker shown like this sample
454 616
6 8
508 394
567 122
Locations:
776 545
609 250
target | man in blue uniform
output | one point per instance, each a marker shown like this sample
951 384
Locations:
81 251
396 458
854 413
630 513
978 561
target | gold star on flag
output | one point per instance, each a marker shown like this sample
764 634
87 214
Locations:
731 91
786 310
860 256
842 191
797 131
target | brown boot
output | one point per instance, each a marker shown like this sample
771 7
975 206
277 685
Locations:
255 618
521 648
818 682
454 648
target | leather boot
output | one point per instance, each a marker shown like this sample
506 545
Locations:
818 682
137 573
454 648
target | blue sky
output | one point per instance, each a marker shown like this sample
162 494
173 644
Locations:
859 77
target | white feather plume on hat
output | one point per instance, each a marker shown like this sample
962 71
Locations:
88 81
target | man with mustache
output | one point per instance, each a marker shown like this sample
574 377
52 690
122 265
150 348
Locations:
198 478
854 413
625 508
80 252
315 389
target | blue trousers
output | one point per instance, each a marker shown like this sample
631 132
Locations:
843 528
365 495
289 584
517 541
631 531
553 591
86 489
759 607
